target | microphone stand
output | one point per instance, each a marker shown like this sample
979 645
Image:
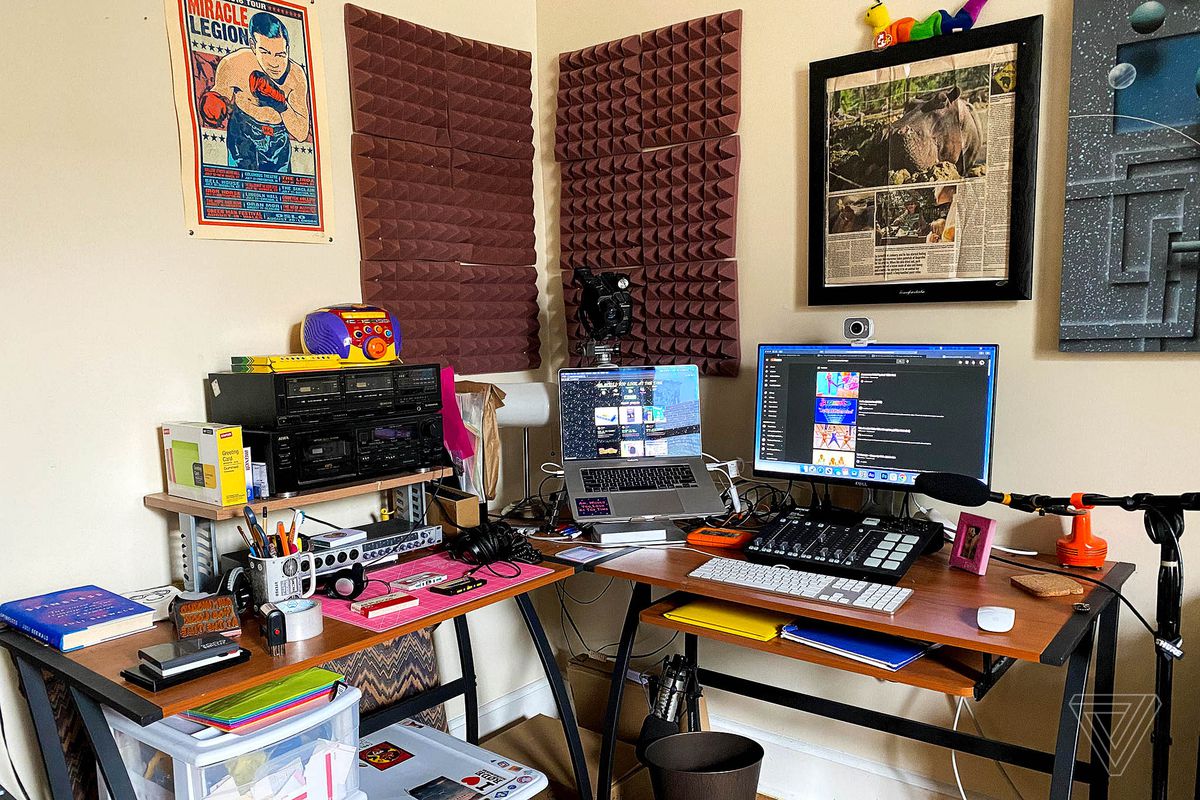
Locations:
1164 522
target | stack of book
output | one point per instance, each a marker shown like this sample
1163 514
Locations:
75 618
252 709
880 650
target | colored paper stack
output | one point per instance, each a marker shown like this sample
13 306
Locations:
264 705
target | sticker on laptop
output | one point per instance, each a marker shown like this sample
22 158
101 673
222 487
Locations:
592 506
384 755
443 789
483 780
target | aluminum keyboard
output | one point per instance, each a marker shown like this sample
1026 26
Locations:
807 585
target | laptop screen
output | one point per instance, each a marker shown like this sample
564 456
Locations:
630 412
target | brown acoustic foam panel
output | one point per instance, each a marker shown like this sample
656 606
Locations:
398 83
689 201
408 207
684 314
499 319
690 80
475 318
599 109
600 214
490 98
497 207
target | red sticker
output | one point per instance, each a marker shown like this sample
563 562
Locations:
384 755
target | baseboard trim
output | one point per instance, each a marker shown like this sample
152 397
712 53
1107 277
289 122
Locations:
527 701
780 787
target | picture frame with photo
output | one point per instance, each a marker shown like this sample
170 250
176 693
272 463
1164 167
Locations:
923 169
973 543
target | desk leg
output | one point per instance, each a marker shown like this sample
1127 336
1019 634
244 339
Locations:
1070 719
1104 687
33 686
638 601
691 651
466 660
112 767
562 700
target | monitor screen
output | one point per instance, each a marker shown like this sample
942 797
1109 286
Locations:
630 412
876 415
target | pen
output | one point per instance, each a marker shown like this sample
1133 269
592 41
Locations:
282 536
246 539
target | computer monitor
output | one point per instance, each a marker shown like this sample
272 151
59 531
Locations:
629 412
875 415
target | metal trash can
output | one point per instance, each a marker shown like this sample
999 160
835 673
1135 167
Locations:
687 766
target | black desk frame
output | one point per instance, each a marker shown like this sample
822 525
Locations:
88 691
1073 647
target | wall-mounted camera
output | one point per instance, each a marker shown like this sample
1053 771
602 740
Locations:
605 312
859 330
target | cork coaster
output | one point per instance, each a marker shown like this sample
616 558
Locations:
1047 585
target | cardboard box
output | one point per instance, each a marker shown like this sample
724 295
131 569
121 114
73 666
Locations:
539 743
453 509
590 679
205 462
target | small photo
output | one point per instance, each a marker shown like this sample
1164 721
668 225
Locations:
837 384
914 216
631 415
833 458
606 415
633 449
853 213
834 437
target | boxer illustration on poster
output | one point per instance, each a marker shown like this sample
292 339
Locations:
248 95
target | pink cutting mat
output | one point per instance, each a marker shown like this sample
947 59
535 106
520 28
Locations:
431 603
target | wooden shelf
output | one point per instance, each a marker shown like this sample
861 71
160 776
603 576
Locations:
949 670
180 505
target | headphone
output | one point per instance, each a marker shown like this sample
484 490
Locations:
346 584
489 543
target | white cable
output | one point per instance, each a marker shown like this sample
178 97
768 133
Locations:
953 754
557 469
1003 770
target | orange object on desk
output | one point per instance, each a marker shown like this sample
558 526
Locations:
727 538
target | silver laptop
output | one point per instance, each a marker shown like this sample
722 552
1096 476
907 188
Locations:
631 444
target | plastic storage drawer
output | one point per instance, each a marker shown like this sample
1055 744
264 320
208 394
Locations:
311 756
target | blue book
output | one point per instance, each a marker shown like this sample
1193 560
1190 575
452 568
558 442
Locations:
869 647
75 618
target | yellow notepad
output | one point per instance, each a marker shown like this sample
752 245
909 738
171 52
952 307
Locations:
731 618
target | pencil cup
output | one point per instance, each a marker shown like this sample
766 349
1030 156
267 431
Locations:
273 580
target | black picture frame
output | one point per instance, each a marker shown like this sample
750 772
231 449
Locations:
1027 35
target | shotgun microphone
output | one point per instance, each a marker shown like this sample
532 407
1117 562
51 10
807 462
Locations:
963 490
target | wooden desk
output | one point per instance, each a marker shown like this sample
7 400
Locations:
93 677
942 609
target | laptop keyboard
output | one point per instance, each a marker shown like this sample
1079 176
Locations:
638 479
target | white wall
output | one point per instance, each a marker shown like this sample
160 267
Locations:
113 316
91 231
1064 422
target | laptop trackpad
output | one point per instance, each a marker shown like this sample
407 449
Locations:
647 504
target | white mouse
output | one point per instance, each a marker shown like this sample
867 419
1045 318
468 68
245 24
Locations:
997 619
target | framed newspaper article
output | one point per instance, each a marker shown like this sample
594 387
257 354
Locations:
923 169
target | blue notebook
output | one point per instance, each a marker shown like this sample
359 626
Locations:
75 618
877 649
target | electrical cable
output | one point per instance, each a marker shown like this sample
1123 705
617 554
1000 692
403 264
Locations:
1000 764
953 753
11 764
603 592
322 522
1078 577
